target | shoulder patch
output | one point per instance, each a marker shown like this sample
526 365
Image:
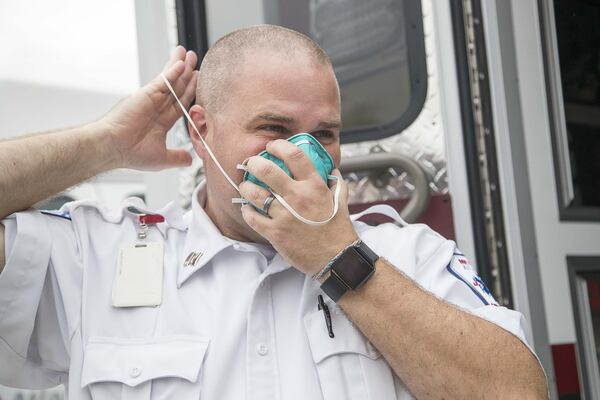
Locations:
63 213
462 270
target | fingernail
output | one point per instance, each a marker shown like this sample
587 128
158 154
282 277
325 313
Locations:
241 167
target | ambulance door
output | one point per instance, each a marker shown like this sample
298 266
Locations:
544 59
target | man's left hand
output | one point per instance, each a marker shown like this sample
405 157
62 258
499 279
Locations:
306 247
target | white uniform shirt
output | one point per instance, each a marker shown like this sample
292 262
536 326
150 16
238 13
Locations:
235 325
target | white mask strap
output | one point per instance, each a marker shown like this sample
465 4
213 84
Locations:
336 201
199 135
336 205
383 209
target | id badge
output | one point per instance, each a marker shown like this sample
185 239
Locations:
139 275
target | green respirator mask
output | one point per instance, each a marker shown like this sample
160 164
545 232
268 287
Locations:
315 151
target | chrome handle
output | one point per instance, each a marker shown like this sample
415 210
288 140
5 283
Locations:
382 161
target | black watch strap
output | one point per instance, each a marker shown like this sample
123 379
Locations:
334 287
350 270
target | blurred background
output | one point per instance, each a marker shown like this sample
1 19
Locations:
65 63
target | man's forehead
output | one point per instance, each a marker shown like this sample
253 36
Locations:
272 87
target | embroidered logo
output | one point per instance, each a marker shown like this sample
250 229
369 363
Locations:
462 270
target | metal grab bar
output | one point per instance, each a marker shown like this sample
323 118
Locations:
381 162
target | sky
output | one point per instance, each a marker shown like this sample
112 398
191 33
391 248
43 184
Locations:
88 45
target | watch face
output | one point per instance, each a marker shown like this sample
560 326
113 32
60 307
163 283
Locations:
352 268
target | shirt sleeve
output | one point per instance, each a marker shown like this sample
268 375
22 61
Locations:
40 299
438 266
448 274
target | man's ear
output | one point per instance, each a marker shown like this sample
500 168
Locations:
200 118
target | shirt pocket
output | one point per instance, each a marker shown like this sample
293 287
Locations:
348 365
142 369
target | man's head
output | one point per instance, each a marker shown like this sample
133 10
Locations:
229 52
256 85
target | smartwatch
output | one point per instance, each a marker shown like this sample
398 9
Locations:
349 271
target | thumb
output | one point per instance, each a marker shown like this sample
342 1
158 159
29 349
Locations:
178 158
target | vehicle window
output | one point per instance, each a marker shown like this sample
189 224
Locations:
584 277
578 48
377 48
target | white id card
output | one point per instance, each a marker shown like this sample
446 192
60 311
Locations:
139 275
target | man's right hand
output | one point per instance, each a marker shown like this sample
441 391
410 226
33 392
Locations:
131 135
138 125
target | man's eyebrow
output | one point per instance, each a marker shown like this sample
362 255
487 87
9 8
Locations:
333 124
286 120
282 119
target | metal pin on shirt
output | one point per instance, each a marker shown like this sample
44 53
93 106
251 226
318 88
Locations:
322 306
192 259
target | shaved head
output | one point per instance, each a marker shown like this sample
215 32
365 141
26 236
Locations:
228 54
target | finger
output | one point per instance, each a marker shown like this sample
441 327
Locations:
190 60
178 158
190 90
294 158
256 220
253 193
179 80
172 74
258 196
179 77
172 70
186 98
178 53
181 83
269 173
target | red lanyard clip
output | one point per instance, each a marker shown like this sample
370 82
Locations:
149 219
145 220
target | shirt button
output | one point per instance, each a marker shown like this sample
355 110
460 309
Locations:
135 372
262 349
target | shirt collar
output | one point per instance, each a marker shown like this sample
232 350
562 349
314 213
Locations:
203 238
173 216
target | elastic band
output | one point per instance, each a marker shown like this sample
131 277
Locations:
336 204
382 209
198 132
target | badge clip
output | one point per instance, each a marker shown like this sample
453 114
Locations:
145 220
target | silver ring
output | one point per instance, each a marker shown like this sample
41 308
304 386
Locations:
267 204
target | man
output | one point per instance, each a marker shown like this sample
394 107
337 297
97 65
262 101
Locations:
234 312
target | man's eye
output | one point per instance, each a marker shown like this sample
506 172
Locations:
324 134
273 128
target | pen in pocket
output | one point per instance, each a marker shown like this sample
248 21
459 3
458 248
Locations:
323 306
